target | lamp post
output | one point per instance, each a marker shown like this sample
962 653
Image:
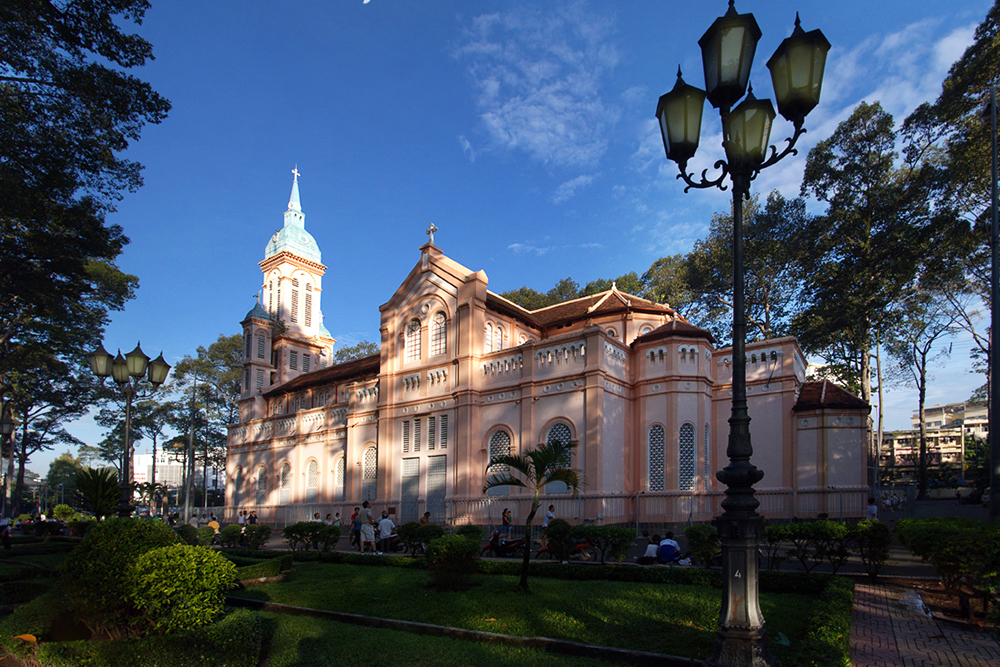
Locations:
796 68
128 372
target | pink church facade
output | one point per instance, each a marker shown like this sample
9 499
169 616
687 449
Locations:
464 375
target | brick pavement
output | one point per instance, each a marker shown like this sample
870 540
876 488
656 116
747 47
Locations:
888 630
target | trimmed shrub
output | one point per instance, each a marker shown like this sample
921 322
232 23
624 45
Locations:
180 587
409 535
431 531
188 534
451 559
829 641
79 528
703 542
95 574
328 536
470 530
557 535
255 535
612 541
205 536
63 512
872 540
308 534
268 568
230 535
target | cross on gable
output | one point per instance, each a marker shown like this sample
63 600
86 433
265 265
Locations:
430 232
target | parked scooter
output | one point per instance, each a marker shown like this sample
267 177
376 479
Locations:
502 547
582 550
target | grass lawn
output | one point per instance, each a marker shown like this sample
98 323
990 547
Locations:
671 619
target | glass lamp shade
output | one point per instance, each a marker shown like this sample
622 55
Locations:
119 369
158 369
679 113
727 51
100 361
137 362
797 72
6 423
748 131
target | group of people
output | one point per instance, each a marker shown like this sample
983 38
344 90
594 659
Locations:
329 520
661 550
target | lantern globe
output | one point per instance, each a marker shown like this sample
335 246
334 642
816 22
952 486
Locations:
100 361
797 72
137 362
747 130
727 51
119 369
6 422
158 370
679 114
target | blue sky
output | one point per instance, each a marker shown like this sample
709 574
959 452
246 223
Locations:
523 130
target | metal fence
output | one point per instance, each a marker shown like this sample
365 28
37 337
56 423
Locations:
645 511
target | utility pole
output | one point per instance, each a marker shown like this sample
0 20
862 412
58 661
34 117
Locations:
189 472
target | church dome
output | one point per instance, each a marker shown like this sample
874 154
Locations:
296 240
258 312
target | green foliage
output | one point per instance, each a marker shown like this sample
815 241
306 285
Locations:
205 535
872 540
409 535
63 512
451 559
99 491
306 534
230 535
188 533
431 531
703 542
612 541
256 535
351 352
960 550
268 568
179 587
813 542
829 641
470 530
95 574
557 535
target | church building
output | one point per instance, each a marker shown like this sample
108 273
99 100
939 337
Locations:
464 375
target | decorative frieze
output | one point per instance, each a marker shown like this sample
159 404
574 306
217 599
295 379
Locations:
575 352
437 376
503 367
411 382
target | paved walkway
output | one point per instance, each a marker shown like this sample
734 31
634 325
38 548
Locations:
890 628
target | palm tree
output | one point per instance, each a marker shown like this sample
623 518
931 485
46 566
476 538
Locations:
534 469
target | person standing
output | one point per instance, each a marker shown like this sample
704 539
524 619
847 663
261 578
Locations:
367 526
505 523
385 528
871 512
550 514
425 520
356 529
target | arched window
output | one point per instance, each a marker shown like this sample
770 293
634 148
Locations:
247 337
488 337
499 446
369 473
708 461
237 486
685 458
612 333
312 481
560 433
261 344
285 484
270 297
657 457
413 340
645 330
294 314
260 486
439 334
339 478
497 338
309 305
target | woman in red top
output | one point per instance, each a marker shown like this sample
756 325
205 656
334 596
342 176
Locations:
505 527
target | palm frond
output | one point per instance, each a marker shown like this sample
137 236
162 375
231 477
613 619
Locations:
503 479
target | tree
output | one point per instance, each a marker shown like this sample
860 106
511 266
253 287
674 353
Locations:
527 298
533 470
352 352
98 491
666 282
63 472
770 239
926 317
629 283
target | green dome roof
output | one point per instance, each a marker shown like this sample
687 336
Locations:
293 237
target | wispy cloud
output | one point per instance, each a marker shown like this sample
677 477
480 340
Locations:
467 148
526 249
568 189
538 76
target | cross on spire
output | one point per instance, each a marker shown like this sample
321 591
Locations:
430 232
295 172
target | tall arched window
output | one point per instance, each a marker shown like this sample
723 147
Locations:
499 446
260 486
339 478
237 486
439 334
294 314
497 338
560 433
309 305
312 481
285 484
657 457
685 458
261 344
247 337
270 297
413 340
369 473
488 337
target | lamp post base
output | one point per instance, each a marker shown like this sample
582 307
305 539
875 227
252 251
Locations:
736 649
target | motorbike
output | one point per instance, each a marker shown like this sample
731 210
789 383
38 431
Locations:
582 550
502 547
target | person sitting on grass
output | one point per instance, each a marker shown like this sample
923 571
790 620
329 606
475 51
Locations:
652 549
669 550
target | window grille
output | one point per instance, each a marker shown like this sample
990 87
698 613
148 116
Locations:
657 457
685 462
439 334
413 340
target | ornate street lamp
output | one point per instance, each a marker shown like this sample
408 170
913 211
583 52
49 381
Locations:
127 372
6 432
796 68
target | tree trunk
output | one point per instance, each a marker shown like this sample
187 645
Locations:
522 585
922 463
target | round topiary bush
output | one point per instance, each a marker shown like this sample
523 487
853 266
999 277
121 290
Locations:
451 559
470 530
179 587
255 535
230 535
188 534
95 572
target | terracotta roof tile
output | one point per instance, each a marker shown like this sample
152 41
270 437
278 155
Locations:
365 367
595 305
677 327
825 394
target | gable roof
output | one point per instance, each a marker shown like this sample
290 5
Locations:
674 328
608 302
825 395
362 369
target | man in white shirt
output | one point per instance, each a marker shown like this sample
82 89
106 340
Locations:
385 528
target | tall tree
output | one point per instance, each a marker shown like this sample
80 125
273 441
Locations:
771 247
62 474
666 281
352 352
